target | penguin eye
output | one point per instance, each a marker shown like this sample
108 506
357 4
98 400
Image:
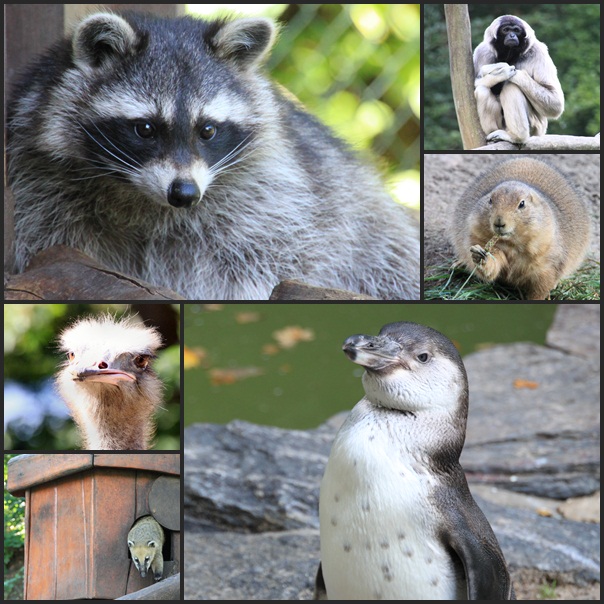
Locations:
423 357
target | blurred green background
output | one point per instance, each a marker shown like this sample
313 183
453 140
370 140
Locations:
570 31
282 364
357 68
34 415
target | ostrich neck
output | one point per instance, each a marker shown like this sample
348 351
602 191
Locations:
115 421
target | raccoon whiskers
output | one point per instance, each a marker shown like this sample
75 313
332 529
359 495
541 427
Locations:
131 168
232 158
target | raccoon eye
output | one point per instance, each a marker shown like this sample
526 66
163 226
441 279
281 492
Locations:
208 132
144 129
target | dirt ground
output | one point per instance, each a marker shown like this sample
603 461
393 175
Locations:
446 177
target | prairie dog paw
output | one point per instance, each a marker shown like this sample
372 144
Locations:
479 254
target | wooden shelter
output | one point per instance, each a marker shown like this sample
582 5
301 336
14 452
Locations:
79 508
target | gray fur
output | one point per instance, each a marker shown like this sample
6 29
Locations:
279 199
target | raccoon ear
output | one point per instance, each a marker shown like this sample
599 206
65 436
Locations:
246 41
151 543
104 38
130 543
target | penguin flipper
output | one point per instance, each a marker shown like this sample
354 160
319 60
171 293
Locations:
320 590
472 539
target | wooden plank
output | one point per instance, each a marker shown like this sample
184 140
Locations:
111 519
41 572
166 463
73 535
26 471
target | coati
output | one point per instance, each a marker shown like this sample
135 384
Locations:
158 147
145 542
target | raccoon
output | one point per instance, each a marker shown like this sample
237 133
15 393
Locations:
160 148
145 542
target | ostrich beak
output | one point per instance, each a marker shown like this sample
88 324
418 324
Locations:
106 376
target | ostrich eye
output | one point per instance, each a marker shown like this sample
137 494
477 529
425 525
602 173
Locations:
423 357
141 361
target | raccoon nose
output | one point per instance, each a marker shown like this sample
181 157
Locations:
184 194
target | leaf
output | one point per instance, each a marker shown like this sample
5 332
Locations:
221 377
520 383
288 337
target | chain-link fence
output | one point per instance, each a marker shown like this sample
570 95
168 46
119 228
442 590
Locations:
357 67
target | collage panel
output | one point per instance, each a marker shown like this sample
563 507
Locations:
511 227
497 76
294 156
281 476
92 377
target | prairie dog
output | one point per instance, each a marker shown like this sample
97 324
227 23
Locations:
539 225
145 542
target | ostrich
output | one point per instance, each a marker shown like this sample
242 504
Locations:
107 381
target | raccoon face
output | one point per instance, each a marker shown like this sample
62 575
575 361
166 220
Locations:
143 556
162 105
170 162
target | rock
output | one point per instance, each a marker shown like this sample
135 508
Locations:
251 492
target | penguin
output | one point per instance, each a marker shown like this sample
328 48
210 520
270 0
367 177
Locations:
397 520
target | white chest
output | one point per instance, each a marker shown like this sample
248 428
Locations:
377 522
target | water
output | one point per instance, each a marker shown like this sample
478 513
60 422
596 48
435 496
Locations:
243 373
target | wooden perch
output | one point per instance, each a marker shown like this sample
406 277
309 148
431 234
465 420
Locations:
555 142
168 589
296 290
462 74
64 273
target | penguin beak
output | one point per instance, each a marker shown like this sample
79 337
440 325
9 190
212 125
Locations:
372 352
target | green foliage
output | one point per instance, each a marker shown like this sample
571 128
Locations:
14 524
572 35
14 535
357 68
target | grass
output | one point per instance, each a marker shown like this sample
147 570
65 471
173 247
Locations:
447 283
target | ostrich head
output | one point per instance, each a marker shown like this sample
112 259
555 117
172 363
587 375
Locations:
108 383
